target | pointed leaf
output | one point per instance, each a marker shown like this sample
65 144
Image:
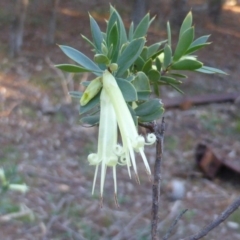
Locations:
75 94
183 44
130 32
187 23
169 34
169 80
113 39
81 59
115 17
211 70
167 56
96 33
147 66
141 29
129 55
196 47
144 53
178 75
71 68
200 40
153 49
158 64
127 89
88 41
186 64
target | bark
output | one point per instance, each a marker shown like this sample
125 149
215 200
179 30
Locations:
215 9
178 11
52 22
17 27
139 10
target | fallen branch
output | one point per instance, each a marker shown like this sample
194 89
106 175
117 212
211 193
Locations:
221 218
187 102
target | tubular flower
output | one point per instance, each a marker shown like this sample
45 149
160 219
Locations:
107 142
131 140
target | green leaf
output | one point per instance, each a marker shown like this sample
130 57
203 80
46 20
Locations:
186 64
154 75
158 64
85 83
200 40
91 104
167 56
143 95
147 66
153 49
90 120
127 89
71 68
176 88
144 53
141 82
156 54
148 107
170 80
76 94
115 17
129 55
187 23
96 34
130 32
150 110
183 44
81 59
210 70
169 34
138 64
88 41
101 59
141 29
178 75
151 117
113 39
195 48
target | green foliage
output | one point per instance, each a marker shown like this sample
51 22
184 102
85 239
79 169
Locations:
139 69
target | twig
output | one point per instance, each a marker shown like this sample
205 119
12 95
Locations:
64 82
174 223
159 132
24 211
76 235
120 235
222 217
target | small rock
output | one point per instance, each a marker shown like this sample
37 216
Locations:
233 225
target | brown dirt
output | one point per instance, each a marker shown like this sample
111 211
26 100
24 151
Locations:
41 136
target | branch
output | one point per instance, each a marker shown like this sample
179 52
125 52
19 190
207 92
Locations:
222 217
174 224
159 132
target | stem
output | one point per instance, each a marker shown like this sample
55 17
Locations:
159 132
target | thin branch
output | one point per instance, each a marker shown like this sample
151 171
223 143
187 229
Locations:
174 224
159 132
127 228
222 217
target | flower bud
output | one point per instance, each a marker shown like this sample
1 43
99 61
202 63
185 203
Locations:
113 67
91 91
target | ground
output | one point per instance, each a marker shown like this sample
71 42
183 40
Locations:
43 145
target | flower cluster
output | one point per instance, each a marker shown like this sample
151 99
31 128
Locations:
115 114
